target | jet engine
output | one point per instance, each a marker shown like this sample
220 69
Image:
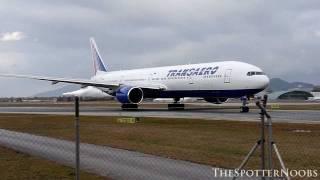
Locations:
129 95
215 100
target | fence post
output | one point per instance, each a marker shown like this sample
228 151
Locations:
77 138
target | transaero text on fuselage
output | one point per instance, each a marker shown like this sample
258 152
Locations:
193 71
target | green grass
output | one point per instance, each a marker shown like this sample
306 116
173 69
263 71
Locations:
15 166
217 143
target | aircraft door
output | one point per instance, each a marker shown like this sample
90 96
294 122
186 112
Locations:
227 76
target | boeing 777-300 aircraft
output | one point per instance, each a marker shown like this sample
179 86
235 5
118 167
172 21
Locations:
214 82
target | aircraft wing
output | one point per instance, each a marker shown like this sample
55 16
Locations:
85 82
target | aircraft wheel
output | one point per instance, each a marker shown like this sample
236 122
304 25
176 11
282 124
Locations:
175 106
245 109
129 106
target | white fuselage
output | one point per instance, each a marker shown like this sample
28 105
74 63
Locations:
217 79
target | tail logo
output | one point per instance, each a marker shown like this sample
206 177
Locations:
96 57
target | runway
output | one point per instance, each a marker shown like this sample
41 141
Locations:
288 116
106 161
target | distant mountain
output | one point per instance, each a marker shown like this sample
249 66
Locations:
277 84
58 92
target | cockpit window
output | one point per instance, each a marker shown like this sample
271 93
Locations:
252 73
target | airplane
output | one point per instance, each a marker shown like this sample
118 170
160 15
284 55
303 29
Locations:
88 92
215 82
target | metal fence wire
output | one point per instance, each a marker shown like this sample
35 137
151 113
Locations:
43 147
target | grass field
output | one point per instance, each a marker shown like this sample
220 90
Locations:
282 106
217 143
15 166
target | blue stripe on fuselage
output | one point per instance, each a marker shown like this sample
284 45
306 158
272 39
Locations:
209 93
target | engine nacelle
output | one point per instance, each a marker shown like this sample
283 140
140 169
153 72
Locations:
129 95
215 100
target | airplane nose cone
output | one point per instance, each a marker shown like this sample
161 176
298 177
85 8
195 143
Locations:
264 81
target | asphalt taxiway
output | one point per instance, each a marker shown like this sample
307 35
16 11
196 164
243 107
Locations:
106 161
288 116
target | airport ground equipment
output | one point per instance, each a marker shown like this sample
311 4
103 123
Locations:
271 145
77 138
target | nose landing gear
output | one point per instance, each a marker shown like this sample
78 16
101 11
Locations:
244 108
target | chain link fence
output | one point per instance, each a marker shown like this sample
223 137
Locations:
42 147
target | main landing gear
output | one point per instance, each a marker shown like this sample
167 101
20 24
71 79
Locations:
176 105
244 108
129 106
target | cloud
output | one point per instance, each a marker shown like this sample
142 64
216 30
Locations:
281 37
12 36
317 33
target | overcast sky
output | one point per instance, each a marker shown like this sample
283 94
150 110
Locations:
51 38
